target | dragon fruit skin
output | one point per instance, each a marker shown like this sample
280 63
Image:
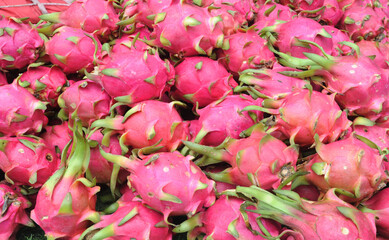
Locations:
56 137
198 32
338 36
379 52
302 5
43 82
73 49
347 164
27 161
3 79
201 80
144 223
19 44
85 100
270 13
88 15
246 49
309 192
181 188
329 218
218 121
137 76
332 13
260 159
24 114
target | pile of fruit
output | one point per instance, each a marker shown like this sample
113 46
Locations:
203 119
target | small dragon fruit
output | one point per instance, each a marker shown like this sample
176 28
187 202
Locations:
149 124
201 80
225 220
43 82
19 43
21 112
88 15
272 13
338 39
327 219
13 212
73 49
135 76
378 52
260 159
85 100
187 30
57 137
349 165
303 5
223 118
332 13
27 160
180 189
65 205
245 49
132 220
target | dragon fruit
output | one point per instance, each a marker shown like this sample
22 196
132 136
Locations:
13 213
57 137
180 189
27 160
349 165
309 192
271 13
43 82
245 49
21 112
3 79
338 39
135 76
201 80
378 52
304 113
86 101
132 220
260 159
73 49
223 118
224 220
187 30
88 15
327 219
20 44
303 5
149 124
65 205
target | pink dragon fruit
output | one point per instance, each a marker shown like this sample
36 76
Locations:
223 118
21 112
303 5
149 124
187 30
245 49
65 205
201 80
332 13
224 220
271 13
365 171
260 159
378 205
57 137
309 192
73 49
86 101
304 113
327 219
88 15
338 37
27 160
19 43
181 188
132 220
378 52
135 76
3 79
13 212
43 82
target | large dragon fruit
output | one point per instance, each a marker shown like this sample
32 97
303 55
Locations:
327 219
43 82
20 111
181 188
27 160
89 15
13 212
260 159
73 49
201 80
225 220
349 165
65 204
85 100
19 43
149 123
